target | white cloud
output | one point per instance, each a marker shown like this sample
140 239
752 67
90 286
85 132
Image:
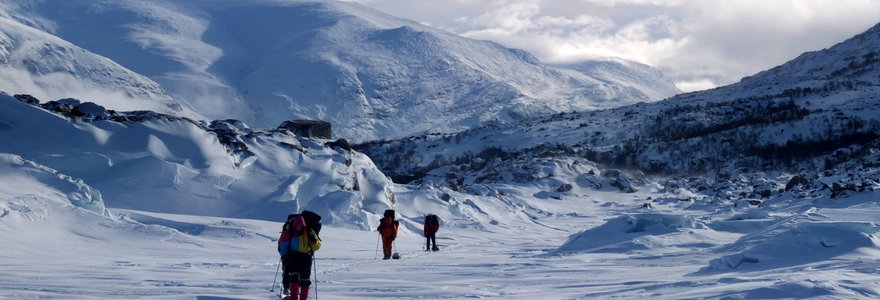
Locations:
690 86
696 42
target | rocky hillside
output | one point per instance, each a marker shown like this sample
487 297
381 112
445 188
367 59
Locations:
816 116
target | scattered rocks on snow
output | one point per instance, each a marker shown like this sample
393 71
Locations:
565 188
620 180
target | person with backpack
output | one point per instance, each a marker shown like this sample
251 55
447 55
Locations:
297 245
388 230
432 225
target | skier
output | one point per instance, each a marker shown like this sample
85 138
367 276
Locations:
296 246
388 230
432 225
285 280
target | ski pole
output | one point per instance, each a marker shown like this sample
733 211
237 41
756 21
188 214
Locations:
276 276
376 256
315 267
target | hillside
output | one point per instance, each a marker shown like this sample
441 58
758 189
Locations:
813 113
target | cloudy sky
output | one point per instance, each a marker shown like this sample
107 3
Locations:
699 43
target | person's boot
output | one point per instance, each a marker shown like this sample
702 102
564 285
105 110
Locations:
304 293
386 253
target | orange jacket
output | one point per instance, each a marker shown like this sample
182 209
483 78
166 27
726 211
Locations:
388 227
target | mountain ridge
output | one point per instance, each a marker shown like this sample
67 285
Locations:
772 121
370 74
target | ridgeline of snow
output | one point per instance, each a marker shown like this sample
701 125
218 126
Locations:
372 75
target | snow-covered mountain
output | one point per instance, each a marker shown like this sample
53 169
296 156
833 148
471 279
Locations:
370 74
812 113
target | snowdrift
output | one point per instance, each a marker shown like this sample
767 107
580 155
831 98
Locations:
29 187
637 232
798 243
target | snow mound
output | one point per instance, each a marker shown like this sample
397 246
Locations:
633 232
803 243
26 181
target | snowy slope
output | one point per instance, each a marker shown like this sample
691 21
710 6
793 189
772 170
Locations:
635 77
370 74
155 162
34 62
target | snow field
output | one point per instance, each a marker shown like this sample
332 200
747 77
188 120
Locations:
62 251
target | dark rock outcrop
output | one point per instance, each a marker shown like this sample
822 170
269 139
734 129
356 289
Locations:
341 143
90 110
308 128
64 106
27 99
